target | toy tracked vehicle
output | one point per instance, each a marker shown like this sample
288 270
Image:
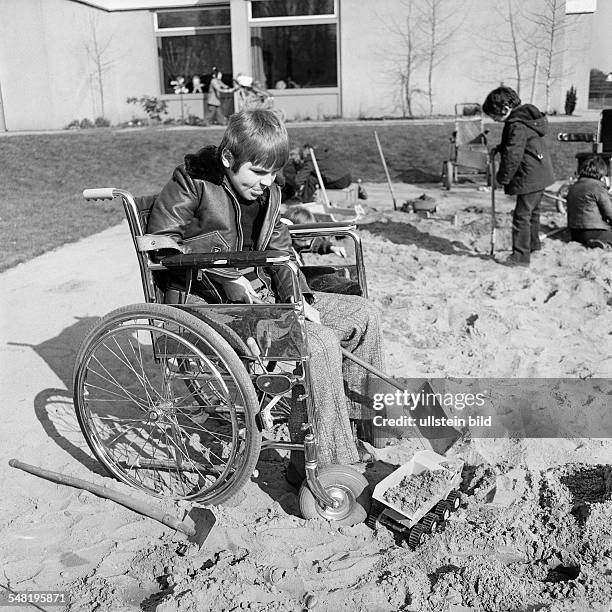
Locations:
418 496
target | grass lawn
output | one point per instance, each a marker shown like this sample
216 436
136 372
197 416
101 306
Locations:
42 176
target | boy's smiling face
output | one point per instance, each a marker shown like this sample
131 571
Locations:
250 180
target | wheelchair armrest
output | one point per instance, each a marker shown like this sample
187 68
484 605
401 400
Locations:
226 259
313 230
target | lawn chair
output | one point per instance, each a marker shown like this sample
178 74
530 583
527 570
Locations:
469 154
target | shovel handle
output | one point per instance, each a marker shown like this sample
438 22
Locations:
117 496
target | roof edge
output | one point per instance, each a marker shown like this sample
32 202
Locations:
135 5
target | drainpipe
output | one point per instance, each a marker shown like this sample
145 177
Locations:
2 120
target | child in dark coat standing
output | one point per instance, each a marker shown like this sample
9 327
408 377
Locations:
525 168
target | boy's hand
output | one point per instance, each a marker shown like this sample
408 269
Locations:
338 250
240 290
311 314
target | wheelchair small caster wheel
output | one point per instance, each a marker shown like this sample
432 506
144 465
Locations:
443 510
344 484
430 522
416 536
454 499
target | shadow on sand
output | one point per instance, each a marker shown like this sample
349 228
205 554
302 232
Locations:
406 233
53 406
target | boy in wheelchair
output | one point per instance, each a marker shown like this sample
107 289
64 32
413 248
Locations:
226 198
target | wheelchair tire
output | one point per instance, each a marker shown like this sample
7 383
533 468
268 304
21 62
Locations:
141 421
345 484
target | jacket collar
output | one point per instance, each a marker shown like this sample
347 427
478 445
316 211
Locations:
205 165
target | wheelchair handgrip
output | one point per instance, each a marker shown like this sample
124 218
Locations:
99 193
226 259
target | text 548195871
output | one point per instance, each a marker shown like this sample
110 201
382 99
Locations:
27 598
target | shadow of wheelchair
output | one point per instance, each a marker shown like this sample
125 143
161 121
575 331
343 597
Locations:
55 411
53 407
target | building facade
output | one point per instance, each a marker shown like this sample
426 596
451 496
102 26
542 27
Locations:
65 60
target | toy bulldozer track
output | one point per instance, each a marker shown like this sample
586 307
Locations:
427 517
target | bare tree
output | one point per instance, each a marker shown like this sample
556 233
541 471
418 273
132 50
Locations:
98 52
549 29
408 57
438 20
507 43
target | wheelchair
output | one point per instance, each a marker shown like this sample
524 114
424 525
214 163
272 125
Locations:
177 398
469 152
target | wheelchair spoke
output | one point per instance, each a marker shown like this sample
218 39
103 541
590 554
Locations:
163 407
126 396
129 366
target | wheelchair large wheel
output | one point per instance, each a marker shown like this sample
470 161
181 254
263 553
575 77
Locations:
144 424
345 484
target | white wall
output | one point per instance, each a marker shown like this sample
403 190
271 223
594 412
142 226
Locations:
468 68
45 73
45 70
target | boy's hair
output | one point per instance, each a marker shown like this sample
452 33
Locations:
257 136
593 166
498 99
299 214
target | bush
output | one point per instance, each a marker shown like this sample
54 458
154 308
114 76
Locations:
85 124
154 107
570 100
195 120
101 122
73 125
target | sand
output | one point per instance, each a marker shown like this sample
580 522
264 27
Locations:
535 528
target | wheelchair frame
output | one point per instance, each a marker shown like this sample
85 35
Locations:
468 157
335 492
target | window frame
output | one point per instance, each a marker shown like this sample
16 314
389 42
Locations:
291 19
301 20
189 29
160 33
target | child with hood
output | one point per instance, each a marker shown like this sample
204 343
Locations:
525 167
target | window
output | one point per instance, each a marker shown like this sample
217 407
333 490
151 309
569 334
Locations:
294 43
600 89
190 42
290 8
301 56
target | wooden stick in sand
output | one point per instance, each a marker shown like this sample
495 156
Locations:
384 163
117 496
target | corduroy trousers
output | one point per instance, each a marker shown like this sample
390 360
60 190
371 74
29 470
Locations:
341 390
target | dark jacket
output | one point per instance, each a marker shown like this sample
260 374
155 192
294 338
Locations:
525 164
199 209
331 167
589 205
